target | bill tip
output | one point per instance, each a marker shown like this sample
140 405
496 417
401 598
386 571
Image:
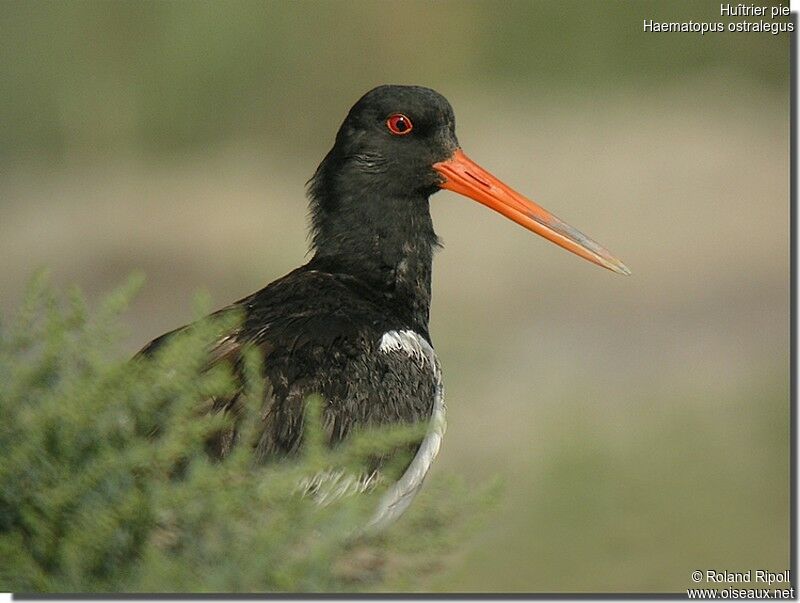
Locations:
622 269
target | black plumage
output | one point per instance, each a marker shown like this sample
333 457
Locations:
352 324
319 327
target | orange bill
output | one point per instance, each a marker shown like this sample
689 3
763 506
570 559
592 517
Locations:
464 176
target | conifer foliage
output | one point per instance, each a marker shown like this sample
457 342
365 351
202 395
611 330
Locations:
106 486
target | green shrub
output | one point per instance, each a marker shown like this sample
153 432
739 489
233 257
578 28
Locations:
105 484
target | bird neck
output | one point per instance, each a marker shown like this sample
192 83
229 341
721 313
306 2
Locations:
384 242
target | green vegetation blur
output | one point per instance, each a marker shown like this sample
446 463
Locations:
171 76
640 424
106 484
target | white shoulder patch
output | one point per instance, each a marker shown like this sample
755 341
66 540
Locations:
409 342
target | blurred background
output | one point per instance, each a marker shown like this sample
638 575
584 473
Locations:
640 424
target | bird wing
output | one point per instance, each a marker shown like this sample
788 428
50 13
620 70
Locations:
227 348
307 347
310 344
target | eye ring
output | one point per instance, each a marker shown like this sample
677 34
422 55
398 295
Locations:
399 124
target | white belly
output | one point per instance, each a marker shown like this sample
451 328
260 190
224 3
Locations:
331 485
397 498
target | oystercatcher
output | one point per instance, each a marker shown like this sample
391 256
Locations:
352 324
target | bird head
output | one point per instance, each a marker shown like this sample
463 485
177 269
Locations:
400 142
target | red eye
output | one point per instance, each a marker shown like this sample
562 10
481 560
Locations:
399 124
